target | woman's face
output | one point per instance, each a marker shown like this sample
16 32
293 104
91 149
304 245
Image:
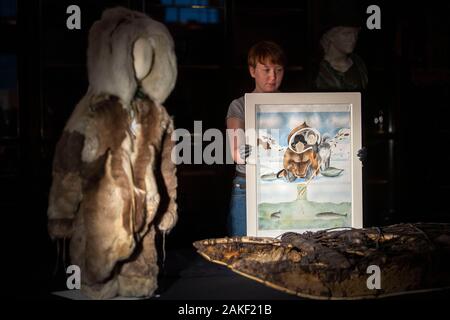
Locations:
268 76
344 39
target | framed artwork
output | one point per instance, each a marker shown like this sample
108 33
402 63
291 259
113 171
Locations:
303 173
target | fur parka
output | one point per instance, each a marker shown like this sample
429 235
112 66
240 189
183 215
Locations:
114 184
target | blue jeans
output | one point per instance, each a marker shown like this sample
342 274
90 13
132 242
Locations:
237 218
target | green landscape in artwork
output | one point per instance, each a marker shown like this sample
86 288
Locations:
303 214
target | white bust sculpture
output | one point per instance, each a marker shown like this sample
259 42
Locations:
338 43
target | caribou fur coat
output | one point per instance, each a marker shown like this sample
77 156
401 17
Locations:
114 184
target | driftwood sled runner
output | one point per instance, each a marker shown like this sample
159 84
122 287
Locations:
333 264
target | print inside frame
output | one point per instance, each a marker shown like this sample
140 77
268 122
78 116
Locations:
303 173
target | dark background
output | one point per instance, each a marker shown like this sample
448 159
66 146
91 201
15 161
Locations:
43 76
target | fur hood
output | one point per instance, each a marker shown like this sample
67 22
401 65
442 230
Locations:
110 56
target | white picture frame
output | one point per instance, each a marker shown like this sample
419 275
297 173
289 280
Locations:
303 173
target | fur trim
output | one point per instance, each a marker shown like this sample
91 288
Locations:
60 228
110 56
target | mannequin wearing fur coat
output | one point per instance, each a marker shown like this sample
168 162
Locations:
114 184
